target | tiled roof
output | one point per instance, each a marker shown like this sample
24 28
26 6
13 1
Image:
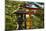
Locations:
34 5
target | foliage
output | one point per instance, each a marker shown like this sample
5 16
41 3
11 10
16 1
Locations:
11 19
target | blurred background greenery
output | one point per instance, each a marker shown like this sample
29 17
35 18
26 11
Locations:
11 19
